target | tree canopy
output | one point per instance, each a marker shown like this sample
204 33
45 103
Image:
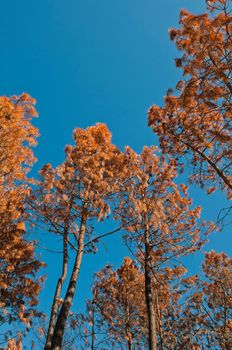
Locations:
152 299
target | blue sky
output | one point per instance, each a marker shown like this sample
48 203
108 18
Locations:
88 61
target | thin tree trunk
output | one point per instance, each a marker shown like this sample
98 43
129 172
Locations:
129 344
55 304
152 337
93 327
159 319
93 321
129 336
128 329
58 334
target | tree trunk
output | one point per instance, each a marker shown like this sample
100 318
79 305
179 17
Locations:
58 334
128 330
129 344
152 337
93 320
93 327
129 341
55 304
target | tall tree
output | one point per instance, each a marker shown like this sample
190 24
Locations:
164 226
196 121
120 303
207 318
70 200
18 287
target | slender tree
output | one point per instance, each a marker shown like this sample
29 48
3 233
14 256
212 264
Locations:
207 317
18 266
70 200
164 226
120 305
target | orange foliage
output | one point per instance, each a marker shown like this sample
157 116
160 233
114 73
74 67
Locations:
208 312
18 288
192 313
17 135
157 206
88 177
196 122
120 302
161 225
150 306
15 344
74 194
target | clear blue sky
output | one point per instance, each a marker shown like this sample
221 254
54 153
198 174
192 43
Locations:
88 61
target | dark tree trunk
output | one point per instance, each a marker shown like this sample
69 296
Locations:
55 304
129 344
58 334
151 311
128 331
93 327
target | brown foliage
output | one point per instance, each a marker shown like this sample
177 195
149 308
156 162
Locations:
192 312
15 344
164 228
159 207
196 122
18 287
72 197
207 315
120 300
